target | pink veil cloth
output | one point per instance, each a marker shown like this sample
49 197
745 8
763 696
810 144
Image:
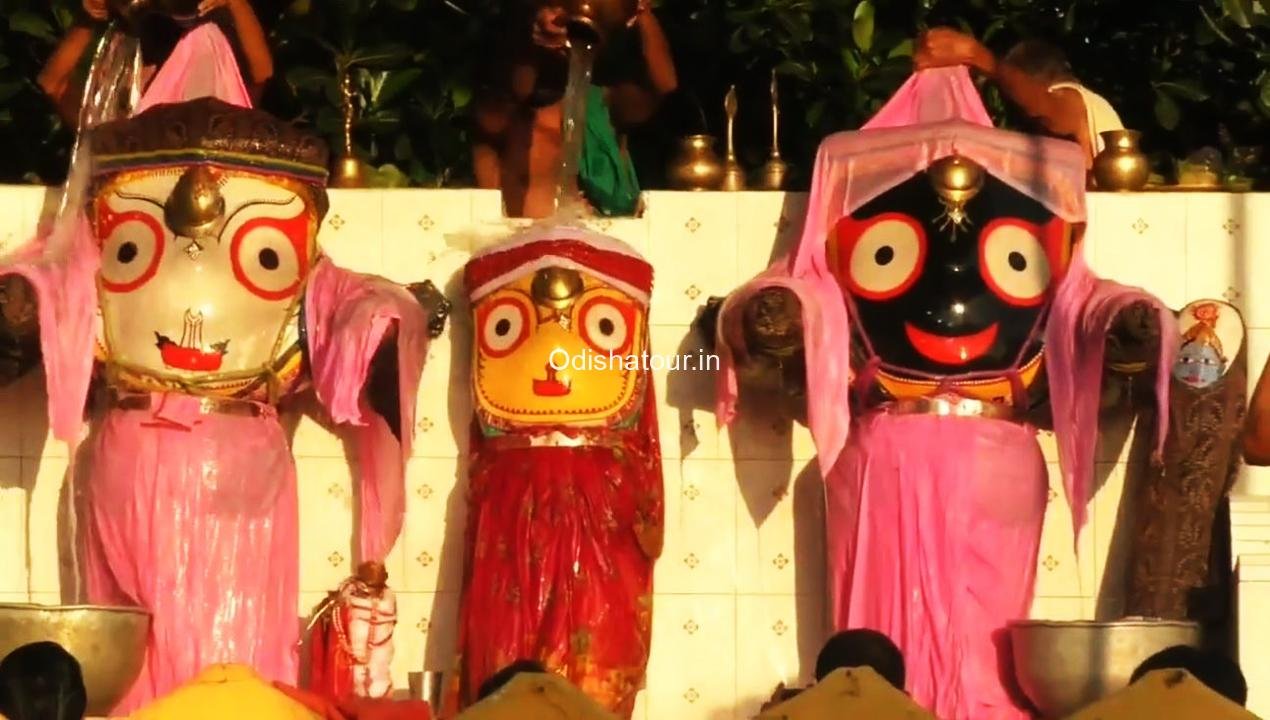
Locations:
935 114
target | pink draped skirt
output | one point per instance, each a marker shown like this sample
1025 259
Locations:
933 529
195 519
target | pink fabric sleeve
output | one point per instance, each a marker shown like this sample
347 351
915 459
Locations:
66 288
827 348
1075 338
348 316
201 65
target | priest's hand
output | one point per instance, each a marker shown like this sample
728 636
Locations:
943 47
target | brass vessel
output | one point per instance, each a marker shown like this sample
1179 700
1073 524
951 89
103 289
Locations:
1121 166
733 173
108 642
1064 666
593 21
774 170
696 166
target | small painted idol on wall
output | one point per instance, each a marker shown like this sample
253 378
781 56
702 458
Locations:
194 277
938 296
565 498
1178 505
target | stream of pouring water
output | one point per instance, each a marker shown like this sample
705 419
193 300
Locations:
569 204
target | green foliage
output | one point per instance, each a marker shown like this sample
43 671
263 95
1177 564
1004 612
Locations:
1188 73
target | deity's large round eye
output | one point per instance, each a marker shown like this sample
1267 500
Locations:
607 324
880 258
503 325
131 249
1013 262
269 256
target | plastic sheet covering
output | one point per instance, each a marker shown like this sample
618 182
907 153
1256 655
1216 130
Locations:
226 691
533 696
846 694
1172 694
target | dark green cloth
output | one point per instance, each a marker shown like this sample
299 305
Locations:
606 175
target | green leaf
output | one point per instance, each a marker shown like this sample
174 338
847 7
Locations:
862 25
28 23
1239 11
794 69
1264 94
904 49
1183 89
396 83
404 5
307 78
381 57
9 89
1167 113
403 149
461 96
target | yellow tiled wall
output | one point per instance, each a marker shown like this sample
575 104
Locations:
739 602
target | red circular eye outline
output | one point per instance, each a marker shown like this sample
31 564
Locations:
986 273
849 233
296 230
628 314
483 314
108 221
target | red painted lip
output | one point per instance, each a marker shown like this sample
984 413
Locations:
192 359
952 350
551 387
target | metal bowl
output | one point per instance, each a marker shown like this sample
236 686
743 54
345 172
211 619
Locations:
108 642
1064 666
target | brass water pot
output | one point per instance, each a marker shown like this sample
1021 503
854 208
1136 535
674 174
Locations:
596 20
696 166
348 172
1121 166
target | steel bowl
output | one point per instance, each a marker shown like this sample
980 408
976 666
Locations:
108 642
1064 666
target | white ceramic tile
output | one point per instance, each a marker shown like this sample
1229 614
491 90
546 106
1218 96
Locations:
352 232
775 644
692 672
768 226
1059 609
13 532
444 411
420 226
700 547
684 379
1140 239
312 438
632 231
780 528
436 515
692 245
326 522
1058 574
44 478
1216 247
487 206
37 438
14 598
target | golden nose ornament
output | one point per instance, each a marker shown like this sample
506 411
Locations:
556 288
196 205
956 181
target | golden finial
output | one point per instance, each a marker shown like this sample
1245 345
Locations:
556 287
956 180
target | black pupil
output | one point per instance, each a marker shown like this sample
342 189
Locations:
127 252
269 259
606 326
884 255
1017 261
502 327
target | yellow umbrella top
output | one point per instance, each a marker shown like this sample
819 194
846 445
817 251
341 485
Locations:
536 696
225 692
849 693
1174 694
